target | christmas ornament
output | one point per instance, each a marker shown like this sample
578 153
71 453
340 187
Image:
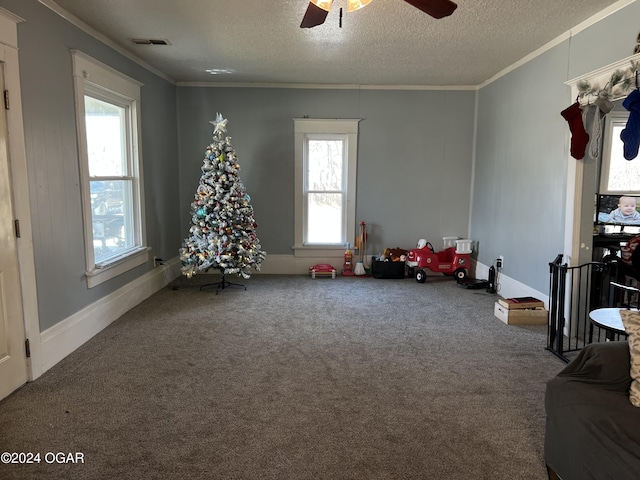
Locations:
220 124
579 136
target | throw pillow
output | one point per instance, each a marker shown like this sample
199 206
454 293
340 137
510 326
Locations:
631 321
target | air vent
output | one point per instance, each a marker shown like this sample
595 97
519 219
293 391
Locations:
150 41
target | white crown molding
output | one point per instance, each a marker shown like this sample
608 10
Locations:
558 40
548 46
325 86
11 16
578 28
102 38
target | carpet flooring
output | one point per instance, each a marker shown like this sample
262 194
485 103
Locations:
294 378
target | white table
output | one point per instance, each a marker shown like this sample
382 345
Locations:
608 319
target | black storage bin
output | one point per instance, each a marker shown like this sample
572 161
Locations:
386 269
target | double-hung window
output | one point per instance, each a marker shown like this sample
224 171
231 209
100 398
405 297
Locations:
325 171
108 121
618 175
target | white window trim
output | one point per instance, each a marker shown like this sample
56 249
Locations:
88 73
613 118
303 127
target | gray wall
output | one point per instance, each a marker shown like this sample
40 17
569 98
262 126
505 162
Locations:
521 166
414 156
52 159
522 149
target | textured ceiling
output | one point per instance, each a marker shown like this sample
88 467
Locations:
389 42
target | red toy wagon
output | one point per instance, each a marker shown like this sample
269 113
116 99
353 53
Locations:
453 260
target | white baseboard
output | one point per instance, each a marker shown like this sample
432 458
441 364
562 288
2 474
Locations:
283 264
291 265
63 338
508 287
66 336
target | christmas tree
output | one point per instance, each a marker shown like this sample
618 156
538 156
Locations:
223 230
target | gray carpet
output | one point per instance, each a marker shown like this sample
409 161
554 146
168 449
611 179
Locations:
294 378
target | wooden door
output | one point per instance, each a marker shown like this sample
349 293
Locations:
13 360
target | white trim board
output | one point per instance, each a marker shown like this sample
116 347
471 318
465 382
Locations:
20 185
508 287
66 336
559 39
72 19
283 264
325 86
289 264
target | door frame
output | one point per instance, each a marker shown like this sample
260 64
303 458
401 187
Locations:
20 188
573 213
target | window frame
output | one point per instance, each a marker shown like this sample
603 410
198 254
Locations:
311 129
97 80
307 190
614 118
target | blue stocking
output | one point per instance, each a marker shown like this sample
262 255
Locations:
630 136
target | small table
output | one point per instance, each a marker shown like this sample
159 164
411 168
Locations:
608 319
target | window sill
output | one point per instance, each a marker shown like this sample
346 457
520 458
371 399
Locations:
110 270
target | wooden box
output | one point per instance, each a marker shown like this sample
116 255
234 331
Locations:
528 316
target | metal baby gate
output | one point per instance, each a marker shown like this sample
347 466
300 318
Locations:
573 293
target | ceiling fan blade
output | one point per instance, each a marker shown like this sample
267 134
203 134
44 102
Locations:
313 17
435 8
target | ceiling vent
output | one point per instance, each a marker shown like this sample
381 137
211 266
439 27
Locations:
150 41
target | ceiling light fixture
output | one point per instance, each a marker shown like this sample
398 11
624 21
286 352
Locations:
352 5
318 10
324 6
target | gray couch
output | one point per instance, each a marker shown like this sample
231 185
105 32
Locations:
592 429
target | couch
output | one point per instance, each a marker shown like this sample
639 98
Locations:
592 428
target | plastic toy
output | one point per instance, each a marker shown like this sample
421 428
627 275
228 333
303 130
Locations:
347 266
323 269
361 246
453 260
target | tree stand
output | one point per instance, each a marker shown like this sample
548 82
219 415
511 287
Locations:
222 284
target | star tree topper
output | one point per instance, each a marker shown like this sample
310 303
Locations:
220 124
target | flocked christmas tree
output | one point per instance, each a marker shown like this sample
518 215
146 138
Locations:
223 230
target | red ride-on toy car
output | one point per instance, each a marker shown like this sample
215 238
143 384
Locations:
450 261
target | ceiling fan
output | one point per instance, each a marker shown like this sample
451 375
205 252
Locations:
318 10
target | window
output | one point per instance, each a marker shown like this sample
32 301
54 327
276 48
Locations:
618 175
108 122
325 170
